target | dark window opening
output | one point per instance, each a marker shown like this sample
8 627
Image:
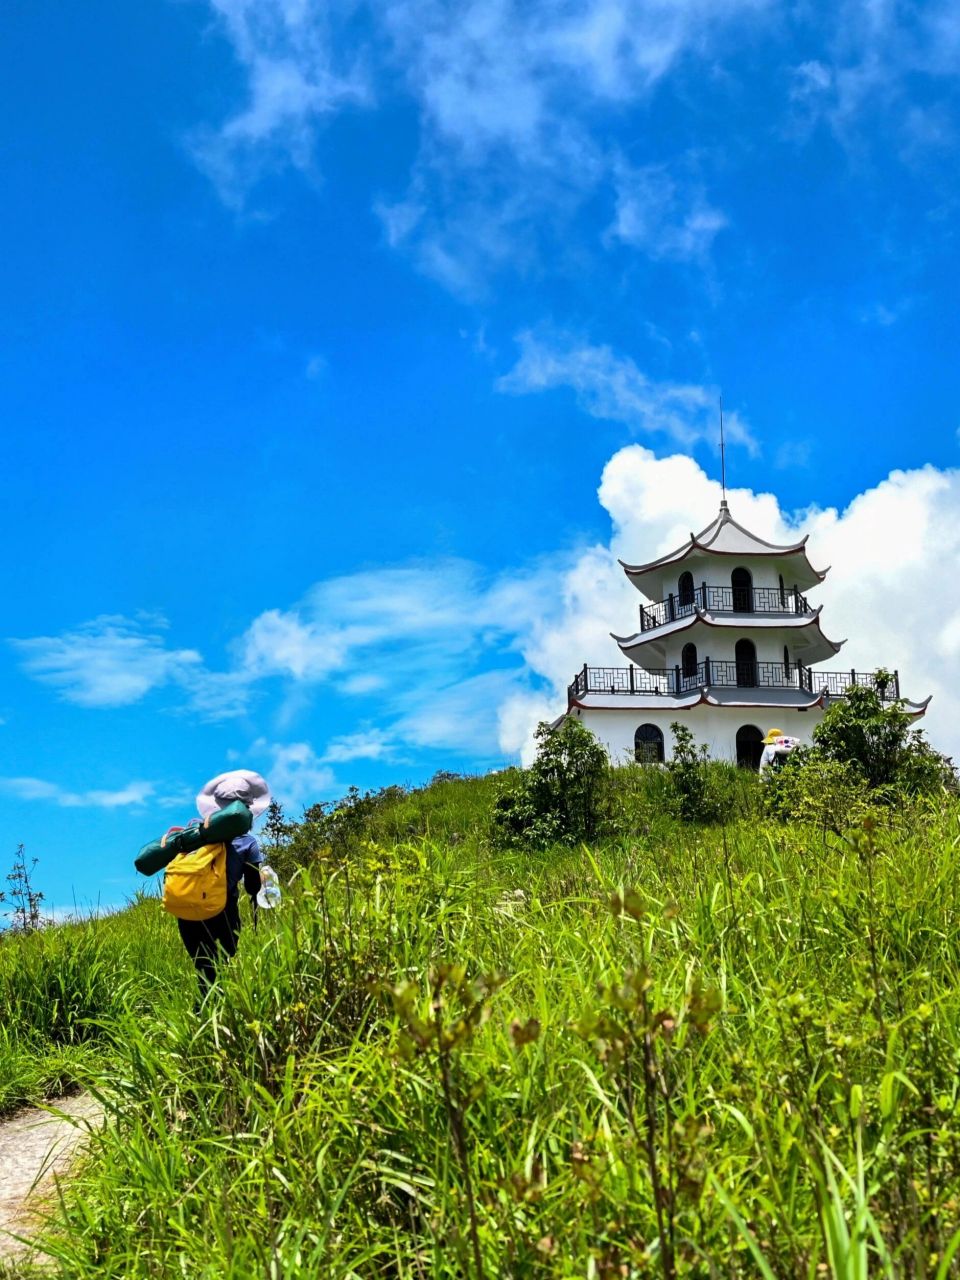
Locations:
746 662
742 584
749 746
648 745
688 661
783 593
685 589
786 662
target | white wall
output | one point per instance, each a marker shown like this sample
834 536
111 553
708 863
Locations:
715 571
715 726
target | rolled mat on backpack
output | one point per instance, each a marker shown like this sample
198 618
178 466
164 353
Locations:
226 824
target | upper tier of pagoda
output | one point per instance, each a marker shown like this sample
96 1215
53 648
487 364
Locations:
725 537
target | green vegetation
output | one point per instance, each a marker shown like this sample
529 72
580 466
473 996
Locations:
681 1050
558 799
865 753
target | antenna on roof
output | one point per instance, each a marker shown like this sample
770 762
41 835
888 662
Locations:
723 456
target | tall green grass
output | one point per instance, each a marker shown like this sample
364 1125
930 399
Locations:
61 987
441 1060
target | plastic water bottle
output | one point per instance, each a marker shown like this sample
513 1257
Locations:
269 895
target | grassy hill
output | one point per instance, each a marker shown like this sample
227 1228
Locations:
684 1050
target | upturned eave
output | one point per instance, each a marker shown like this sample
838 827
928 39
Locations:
740 543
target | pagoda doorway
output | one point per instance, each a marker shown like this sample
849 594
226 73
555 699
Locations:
746 664
741 583
749 747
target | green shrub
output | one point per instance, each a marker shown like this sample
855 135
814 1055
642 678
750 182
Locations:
705 790
865 753
879 742
809 787
558 800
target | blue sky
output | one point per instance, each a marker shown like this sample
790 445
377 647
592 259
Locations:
346 345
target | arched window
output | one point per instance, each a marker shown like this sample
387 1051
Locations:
749 746
685 589
786 663
742 584
746 656
688 662
648 745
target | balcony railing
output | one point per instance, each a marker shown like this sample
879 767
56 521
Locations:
725 674
723 600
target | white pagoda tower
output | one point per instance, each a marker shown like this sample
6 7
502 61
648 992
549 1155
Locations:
727 646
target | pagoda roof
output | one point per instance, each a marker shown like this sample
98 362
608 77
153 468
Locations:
770 699
725 537
782 699
819 645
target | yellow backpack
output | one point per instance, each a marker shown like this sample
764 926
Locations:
195 885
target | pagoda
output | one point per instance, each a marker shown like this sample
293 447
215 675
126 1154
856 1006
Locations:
727 645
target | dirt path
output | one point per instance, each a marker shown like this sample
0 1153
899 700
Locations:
34 1147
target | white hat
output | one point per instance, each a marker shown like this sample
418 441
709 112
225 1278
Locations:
238 784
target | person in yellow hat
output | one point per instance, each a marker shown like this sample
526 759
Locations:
776 747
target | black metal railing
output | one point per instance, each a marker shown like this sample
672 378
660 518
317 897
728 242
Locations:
726 674
788 600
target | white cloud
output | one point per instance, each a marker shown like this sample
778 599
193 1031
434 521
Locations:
297 77
463 716
365 744
283 643
665 219
111 661
872 54
37 789
434 625
510 100
297 776
611 386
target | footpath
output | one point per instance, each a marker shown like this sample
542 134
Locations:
35 1147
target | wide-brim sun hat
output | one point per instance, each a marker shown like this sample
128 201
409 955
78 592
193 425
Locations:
773 735
237 784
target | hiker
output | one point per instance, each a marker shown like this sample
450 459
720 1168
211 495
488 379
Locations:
208 941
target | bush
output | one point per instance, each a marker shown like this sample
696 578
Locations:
809 787
558 799
877 740
705 790
865 753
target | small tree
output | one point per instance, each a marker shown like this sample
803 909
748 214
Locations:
878 740
276 828
558 799
25 901
694 779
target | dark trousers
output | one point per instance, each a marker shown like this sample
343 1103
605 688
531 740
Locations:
208 941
